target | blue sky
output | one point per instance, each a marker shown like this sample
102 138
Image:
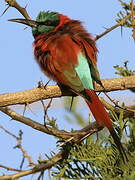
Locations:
19 71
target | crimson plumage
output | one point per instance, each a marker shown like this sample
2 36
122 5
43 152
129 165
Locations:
57 50
66 53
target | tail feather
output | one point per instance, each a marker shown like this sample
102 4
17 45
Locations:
98 110
103 118
119 146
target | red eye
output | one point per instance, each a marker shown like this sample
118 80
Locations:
48 22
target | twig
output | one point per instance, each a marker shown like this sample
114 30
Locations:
11 134
77 135
68 140
28 105
52 131
132 12
38 168
23 11
127 109
41 175
90 117
13 3
46 109
5 11
25 106
46 116
113 27
19 145
133 19
9 169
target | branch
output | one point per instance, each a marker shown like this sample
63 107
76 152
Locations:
9 169
13 3
127 109
19 146
38 168
36 94
76 135
114 27
94 127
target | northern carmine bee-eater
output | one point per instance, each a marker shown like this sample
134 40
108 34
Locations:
66 53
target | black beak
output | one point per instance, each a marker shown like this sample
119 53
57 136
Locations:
28 22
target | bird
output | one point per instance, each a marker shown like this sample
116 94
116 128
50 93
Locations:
67 54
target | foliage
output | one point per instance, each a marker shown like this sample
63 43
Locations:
125 71
100 159
126 6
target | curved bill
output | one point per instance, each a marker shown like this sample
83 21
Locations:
28 22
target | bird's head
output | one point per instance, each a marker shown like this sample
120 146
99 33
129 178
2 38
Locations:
45 22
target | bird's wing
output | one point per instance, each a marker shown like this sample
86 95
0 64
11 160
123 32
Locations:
69 64
90 50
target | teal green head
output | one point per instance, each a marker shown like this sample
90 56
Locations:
46 21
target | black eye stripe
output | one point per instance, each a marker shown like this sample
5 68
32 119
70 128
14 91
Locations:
49 23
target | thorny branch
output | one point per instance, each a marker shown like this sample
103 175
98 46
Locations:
36 94
113 27
94 127
45 110
9 168
38 168
13 3
77 135
58 133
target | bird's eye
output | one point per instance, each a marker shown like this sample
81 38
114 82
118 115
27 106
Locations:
48 22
